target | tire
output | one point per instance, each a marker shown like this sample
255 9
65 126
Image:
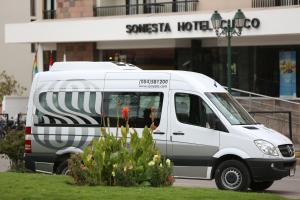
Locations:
232 175
260 186
63 168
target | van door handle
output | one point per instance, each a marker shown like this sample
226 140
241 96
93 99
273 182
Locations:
178 133
158 133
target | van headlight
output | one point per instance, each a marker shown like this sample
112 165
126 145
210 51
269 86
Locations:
266 147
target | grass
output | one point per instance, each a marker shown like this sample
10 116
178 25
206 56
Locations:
40 186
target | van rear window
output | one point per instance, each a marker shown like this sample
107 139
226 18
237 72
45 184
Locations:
68 109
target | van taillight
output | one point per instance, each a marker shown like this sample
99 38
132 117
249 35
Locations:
27 145
27 130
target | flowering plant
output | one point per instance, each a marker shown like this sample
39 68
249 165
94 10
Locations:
110 161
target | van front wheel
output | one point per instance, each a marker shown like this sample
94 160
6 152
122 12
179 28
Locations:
232 175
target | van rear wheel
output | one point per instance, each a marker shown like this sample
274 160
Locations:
261 186
232 175
63 168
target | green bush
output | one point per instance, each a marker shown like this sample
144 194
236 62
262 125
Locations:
109 160
12 146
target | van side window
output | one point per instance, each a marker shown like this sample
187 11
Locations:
70 109
144 108
191 109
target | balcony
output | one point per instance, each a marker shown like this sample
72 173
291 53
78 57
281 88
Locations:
49 14
135 9
274 3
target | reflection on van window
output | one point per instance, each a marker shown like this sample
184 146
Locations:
230 108
191 109
144 108
68 109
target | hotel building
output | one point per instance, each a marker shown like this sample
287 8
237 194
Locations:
167 34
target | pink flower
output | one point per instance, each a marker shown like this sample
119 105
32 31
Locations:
170 180
125 112
83 167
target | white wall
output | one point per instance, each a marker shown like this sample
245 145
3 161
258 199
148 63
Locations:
16 59
274 22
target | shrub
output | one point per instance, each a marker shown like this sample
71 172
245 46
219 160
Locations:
12 146
9 86
109 160
77 169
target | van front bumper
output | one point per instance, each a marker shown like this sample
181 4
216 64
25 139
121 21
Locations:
270 170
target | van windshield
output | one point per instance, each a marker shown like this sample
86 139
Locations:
231 109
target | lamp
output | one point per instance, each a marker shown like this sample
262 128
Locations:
233 27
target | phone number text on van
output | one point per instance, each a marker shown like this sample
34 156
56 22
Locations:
153 83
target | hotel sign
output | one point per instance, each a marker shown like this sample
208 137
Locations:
183 26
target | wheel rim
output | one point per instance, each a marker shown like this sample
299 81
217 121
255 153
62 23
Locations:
231 178
65 171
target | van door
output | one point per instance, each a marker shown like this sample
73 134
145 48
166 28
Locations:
193 137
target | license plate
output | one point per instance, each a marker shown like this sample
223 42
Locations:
292 172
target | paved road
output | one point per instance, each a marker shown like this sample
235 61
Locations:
288 187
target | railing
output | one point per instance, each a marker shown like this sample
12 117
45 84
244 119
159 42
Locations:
49 14
272 111
273 3
164 7
289 113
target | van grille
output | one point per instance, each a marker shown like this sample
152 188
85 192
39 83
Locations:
287 150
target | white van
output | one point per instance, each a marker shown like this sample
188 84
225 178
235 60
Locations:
200 127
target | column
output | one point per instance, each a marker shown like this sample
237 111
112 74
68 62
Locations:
40 59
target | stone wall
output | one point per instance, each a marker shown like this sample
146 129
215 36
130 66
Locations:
75 8
84 51
276 121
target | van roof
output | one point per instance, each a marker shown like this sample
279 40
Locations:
183 80
94 66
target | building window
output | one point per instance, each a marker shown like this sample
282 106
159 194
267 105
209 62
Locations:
33 47
47 59
144 58
49 9
32 8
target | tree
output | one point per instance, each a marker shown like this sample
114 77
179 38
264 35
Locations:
9 86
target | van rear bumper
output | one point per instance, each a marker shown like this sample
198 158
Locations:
31 160
270 170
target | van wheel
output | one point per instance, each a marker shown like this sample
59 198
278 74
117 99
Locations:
63 168
232 175
261 186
